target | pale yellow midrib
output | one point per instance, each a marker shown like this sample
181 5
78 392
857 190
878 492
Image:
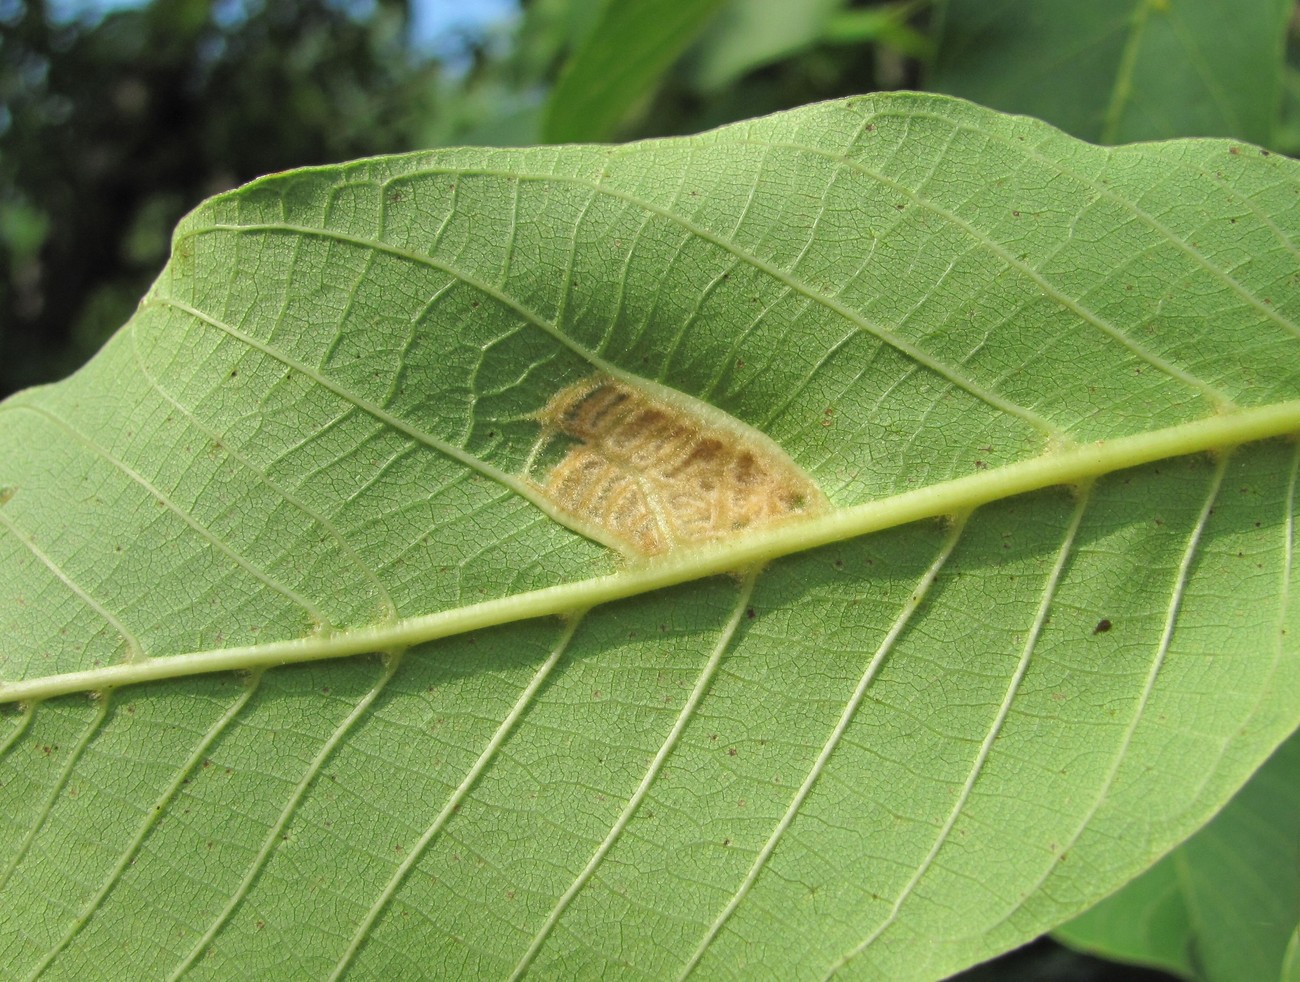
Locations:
1063 467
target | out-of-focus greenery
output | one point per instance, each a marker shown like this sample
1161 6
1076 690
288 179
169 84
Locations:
111 129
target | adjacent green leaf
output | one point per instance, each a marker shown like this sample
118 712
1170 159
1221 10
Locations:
619 64
751 33
1291 960
1042 629
1120 70
1225 903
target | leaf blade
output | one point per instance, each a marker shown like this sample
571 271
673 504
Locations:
904 710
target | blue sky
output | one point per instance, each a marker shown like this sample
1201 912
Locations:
436 23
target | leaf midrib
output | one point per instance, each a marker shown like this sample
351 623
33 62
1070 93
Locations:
958 496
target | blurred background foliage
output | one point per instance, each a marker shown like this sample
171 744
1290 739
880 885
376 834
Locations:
117 116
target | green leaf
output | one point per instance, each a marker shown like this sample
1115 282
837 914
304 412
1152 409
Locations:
1224 904
1291 960
1037 625
750 33
619 64
1120 70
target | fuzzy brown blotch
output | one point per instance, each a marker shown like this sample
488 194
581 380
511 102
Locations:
653 476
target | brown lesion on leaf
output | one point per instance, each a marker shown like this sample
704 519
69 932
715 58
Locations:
652 475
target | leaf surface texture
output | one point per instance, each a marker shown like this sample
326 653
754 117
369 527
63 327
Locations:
1041 628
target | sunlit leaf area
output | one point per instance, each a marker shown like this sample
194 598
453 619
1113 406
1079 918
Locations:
728 489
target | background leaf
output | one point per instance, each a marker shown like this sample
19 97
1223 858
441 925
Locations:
750 33
1225 903
1291 960
1115 71
895 754
630 47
